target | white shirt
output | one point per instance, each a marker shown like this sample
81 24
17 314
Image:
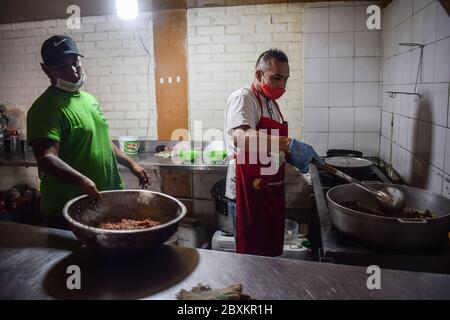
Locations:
243 109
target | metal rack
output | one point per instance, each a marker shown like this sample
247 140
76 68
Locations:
392 94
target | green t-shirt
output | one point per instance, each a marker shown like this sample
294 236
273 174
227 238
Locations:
77 122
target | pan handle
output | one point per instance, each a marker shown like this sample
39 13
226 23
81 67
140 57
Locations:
412 220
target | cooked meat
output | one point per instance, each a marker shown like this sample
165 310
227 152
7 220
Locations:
407 213
126 224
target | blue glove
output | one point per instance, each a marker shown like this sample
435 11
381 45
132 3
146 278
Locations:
302 154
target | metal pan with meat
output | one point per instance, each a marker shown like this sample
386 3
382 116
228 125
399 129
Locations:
126 219
425 221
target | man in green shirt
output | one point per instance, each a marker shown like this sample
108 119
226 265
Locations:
69 135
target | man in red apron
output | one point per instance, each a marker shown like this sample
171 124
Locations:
259 197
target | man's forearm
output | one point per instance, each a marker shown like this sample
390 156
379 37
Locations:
53 165
122 158
255 140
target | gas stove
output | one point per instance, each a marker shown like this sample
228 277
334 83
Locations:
331 246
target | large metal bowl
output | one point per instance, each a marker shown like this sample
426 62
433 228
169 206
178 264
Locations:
82 213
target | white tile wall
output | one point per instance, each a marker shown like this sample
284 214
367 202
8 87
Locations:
367 69
317 120
435 180
341 95
366 94
442 22
342 119
368 143
316 45
316 70
340 140
341 70
316 95
447 153
424 141
367 44
386 128
342 19
429 23
319 140
446 186
442 61
349 77
367 119
420 127
420 4
342 44
438 146
429 55
317 20
385 152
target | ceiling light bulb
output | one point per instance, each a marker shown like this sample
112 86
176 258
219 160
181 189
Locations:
127 9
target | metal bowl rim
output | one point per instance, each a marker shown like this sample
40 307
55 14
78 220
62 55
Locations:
375 217
99 230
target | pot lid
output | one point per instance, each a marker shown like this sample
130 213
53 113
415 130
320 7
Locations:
348 162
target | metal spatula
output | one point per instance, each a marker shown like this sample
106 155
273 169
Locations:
389 199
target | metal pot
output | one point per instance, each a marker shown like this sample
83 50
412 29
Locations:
223 218
81 214
348 162
390 232
352 166
343 153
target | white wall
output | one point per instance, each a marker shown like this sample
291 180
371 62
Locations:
115 62
417 144
341 87
223 45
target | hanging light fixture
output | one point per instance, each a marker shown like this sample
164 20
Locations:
127 9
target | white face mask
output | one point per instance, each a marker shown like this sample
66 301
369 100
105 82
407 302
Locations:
71 86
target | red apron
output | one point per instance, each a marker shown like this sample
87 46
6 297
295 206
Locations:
260 200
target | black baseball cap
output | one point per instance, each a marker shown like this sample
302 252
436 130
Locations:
55 48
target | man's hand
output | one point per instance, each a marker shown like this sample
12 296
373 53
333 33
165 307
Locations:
302 155
89 187
141 174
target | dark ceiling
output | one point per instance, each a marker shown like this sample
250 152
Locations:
34 10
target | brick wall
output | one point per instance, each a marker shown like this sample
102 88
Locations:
115 62
223 45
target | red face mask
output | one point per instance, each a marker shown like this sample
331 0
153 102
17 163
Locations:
271 92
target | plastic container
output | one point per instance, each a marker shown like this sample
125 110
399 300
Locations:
216 155
290 232
129 144
189 155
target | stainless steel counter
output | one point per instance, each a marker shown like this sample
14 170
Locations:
145 159
22 159
34 262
